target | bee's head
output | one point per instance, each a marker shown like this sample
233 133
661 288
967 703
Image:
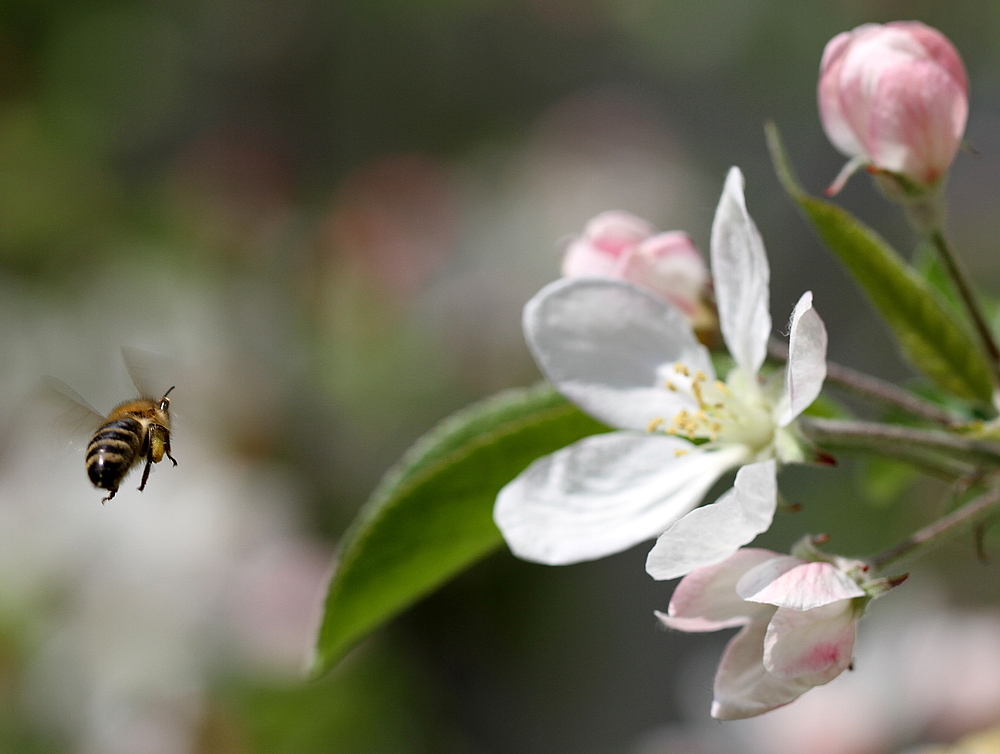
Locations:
165 401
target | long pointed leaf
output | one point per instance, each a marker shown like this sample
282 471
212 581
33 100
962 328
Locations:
432 515
928 335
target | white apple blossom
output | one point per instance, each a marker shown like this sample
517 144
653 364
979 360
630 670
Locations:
632 361
799 620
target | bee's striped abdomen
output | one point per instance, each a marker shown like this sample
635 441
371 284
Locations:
113 450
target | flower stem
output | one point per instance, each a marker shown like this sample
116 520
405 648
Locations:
955 522
964 289
942 453
872 387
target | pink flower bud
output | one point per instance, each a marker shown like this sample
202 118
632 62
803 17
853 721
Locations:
894 97
623 247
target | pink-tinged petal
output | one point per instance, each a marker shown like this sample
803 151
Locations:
806 367
584 260
615 232
741 278
669 265
713 532
605 240
797 584
922 144
831 109
743 687
608 347
937 47
813 646
706 599
604 494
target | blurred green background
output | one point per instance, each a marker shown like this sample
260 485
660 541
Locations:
328 215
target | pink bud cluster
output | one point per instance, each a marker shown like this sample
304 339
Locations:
622 246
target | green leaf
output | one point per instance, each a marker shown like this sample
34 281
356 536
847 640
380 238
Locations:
432 515
928 335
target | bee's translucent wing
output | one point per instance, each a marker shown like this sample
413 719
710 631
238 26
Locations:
149 372
73 420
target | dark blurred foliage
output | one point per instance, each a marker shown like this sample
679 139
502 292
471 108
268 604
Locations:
328 172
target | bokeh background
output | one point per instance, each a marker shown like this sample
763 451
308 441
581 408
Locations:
327 215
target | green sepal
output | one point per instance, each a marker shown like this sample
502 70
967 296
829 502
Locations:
928 335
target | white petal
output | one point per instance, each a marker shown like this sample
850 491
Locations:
743 687
814 646
608 347
806 367
741 275
604 494
706 599
797 584
713 532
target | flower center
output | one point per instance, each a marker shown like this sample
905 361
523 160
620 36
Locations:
732 413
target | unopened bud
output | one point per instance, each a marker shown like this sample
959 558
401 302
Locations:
624 247
894 98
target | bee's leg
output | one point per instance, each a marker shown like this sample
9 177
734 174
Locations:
115 490
166 447
145 472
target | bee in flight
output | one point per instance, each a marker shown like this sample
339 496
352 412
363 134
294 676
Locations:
135 431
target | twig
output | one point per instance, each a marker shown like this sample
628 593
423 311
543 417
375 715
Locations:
969 514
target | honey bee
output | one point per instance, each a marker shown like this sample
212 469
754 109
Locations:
134 431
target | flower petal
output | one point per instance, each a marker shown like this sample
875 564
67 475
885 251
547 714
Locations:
743 687
713 532
814 646
604 494
706 599
608 347
606 239
741 276
790 582
669 265
806 367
